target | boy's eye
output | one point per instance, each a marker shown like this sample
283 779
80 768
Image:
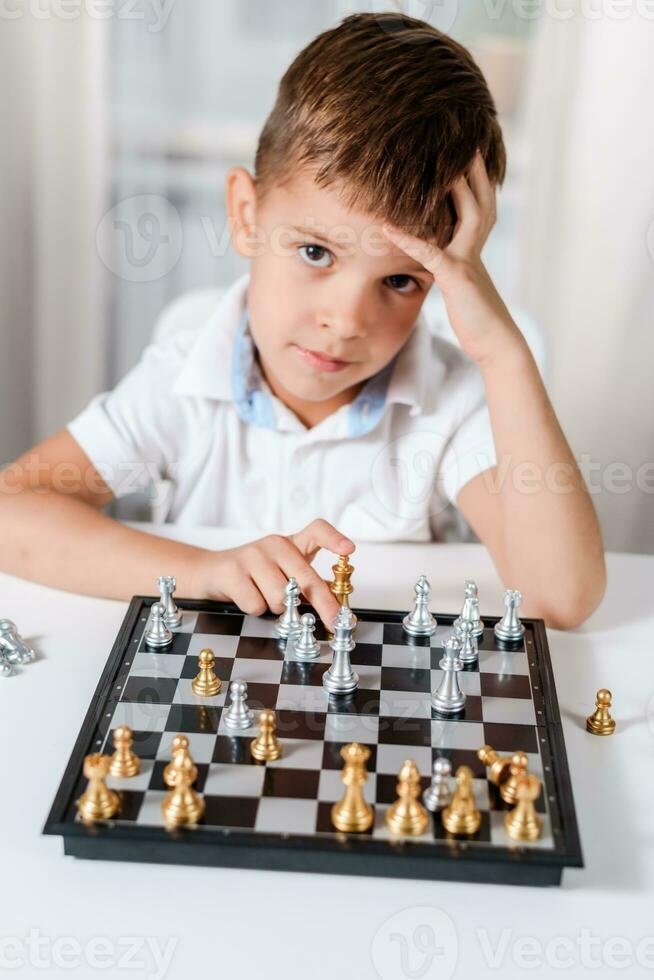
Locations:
316 255
399 281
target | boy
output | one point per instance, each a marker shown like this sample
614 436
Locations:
314 396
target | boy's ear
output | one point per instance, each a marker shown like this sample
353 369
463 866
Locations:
241 200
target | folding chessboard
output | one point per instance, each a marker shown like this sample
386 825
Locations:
277 814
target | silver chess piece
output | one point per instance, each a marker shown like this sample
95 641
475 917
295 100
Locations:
470 609
510 629
306 646
173 616
469 653
238 715
439 794
6 670
340 678
156 633
449 699
420 622
13 647
288 623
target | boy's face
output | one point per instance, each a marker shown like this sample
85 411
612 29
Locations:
330 300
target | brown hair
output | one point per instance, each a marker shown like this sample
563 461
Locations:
392 110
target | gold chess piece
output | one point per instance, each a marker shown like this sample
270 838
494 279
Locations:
124 762
600 722
523 823
462 815
180 758
517 769
341 586
206 684
352 814
497 765
182 805
266 746
407 815
97 802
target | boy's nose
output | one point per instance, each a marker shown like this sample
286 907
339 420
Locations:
346 319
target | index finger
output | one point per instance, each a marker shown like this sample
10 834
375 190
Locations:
317 592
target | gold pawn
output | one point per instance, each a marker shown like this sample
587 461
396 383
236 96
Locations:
407 815
97 802
266 746
498 765
124 762
523 823
462 815
600 722
517 769
206 684
352 814
342 587
180 758
183 805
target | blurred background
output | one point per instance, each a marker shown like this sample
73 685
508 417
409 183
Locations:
120 119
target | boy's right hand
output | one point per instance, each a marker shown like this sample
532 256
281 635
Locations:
255 575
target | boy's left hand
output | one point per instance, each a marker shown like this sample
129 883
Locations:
475 309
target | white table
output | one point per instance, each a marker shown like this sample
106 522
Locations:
71 916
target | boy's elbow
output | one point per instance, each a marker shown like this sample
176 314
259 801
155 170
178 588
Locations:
572 609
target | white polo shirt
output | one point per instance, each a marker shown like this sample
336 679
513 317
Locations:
196 420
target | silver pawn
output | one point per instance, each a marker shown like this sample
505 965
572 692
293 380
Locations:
469 653
420 622
288 623
238 715
173 616
449 699
438 794
6 670
340 678
470 608
13 647
510 629
156 632
306 646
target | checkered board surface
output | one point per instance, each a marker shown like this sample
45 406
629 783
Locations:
510 704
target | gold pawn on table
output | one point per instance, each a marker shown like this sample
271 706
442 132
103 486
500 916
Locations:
352 814
497 765
407 815
97 802
523 823
342 587
462 815
180 757
600 722
182 805
517 769
266 746
206 684
124 762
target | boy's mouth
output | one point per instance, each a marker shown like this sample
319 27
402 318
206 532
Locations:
321 361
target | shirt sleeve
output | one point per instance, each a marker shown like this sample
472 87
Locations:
470 449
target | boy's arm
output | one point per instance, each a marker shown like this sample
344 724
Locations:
533 510
53 532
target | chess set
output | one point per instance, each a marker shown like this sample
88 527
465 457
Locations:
403 744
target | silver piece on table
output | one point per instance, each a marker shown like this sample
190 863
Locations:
238 715
306 647
156 633
173 616
340 678
469 653
470 608
449 699
13 648
510 629
6 670
439 793
288 623
420 622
